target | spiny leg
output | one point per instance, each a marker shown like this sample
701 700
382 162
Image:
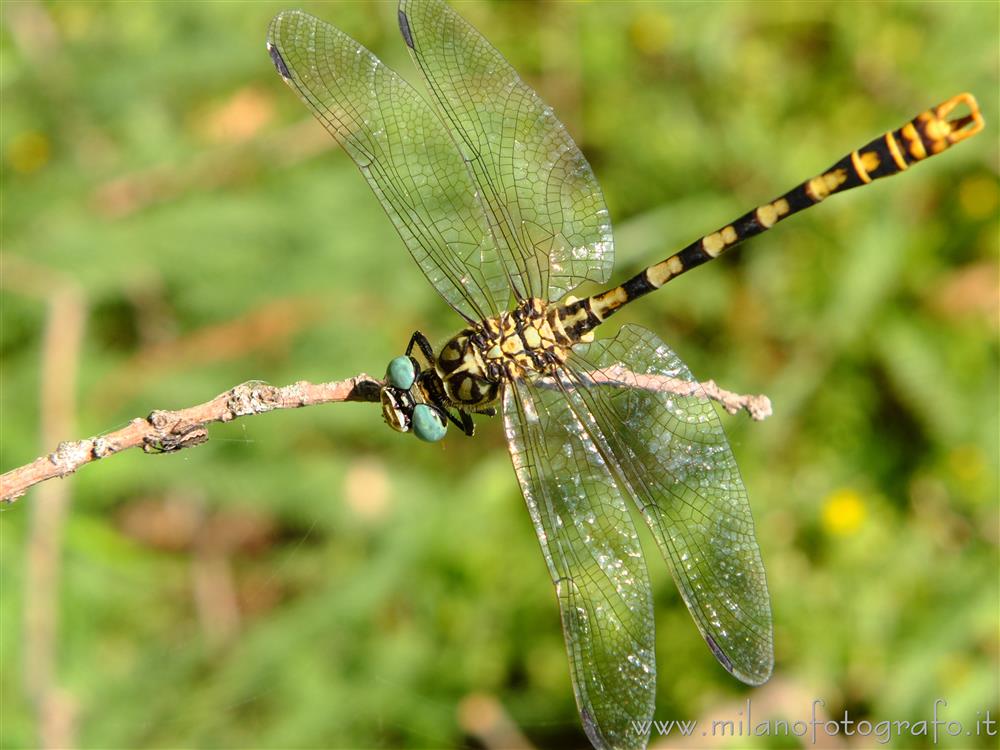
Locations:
425 346
464 421
927 134
467 425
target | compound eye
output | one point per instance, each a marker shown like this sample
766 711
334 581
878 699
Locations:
429 424
401 373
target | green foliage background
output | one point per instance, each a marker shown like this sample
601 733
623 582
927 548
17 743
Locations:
384 588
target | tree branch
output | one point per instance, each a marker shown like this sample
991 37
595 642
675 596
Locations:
167 431
757 406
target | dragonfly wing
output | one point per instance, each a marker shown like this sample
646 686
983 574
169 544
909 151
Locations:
541 198
671 454
405 153
593 555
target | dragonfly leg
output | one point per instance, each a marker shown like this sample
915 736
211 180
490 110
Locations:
433 391
489 411
421 341
467 426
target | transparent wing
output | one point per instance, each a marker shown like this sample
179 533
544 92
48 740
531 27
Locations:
596 564
542 201
672 457
405 153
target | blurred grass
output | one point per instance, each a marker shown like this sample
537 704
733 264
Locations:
151 156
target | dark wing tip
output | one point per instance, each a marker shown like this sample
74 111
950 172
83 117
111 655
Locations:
279 63
757 677
404 28
724 660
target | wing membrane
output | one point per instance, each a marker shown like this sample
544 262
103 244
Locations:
542 201
593 555
672 456
405 154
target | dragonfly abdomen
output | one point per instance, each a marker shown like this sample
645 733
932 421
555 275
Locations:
927 134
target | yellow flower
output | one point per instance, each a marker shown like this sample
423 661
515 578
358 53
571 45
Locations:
843 512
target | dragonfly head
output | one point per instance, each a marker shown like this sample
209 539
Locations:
402 411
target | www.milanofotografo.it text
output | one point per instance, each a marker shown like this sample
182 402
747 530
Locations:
820 726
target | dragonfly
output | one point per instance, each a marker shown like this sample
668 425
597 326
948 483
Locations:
503 214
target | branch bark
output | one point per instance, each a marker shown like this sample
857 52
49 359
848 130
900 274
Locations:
168 431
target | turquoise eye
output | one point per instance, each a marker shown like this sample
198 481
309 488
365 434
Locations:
401 373
428 424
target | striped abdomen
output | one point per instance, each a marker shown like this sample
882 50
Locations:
926 134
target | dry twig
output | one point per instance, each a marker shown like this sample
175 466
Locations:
757 406
169 431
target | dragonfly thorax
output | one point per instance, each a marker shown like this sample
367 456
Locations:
528 340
